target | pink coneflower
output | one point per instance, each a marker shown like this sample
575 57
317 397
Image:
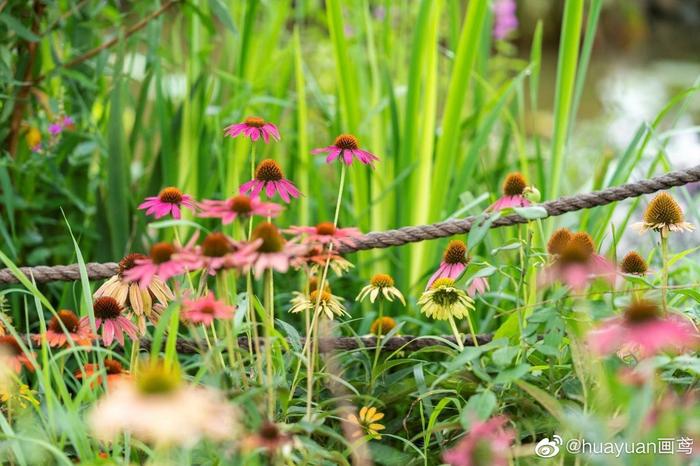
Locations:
114 370
78 330
108 315
205 310
253 128
214 254
504 20
240 206
576 264
477 286
325 233
11 354
515 189
268 250
345 147
315 257
486 443
454 262
161 262
642 331
269 177
168 201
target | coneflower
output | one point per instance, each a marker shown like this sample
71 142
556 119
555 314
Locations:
109 317
381 285
664 214
79 331
345 148
269 178
328 304
634 264
514 191
254 128
240 206
325 233
168 201
576 262
454 262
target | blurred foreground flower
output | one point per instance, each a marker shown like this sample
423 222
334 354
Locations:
642 331
268 250
381 285
113 368
78 330
155 406
345 147
270 438
486 443
162 263
382 326
368 423
12 356
504 19
326 233
575 261
168 201
254 128
663 214
269 178
206 309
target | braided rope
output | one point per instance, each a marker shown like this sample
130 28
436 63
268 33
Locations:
412 234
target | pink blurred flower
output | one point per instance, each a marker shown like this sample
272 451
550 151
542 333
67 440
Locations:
11 354
162 262
108 316
78 330
346 146
454 262
205 310
514 189
326 233
214 254
478 285
238 206
55 129
577 264
643 332
486 443
504 20
254 128
168 201
269 177
267 250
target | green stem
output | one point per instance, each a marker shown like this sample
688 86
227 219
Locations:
455 332
471 330
270 316
664 271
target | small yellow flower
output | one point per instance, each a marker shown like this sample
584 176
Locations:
663 214
367 422
444 301
381 285
33 137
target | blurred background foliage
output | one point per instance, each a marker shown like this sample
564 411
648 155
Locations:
580 96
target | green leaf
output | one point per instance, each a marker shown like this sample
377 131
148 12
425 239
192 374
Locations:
549 403
503 356
510 375
220 11
19 29
481 406
531 213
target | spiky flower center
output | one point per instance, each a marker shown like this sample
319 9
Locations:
663 210
170 195
9 346
269 431
216 245
162 252
324 297
514 184
69 320
325 229
113 367
456 253
255 122
347 142
268 170
383 325
207 309
574 253
444 292
584 241
128 262
558 240
241 204
272 240
633 263
641 311
382 280
157 380
106 307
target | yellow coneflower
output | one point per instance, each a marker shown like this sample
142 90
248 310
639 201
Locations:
328 303
444 301
382 326
381 285
368 423
132 297
634 264
664 214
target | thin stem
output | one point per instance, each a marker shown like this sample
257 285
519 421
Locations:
664 271
471 330
455 332
270 315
